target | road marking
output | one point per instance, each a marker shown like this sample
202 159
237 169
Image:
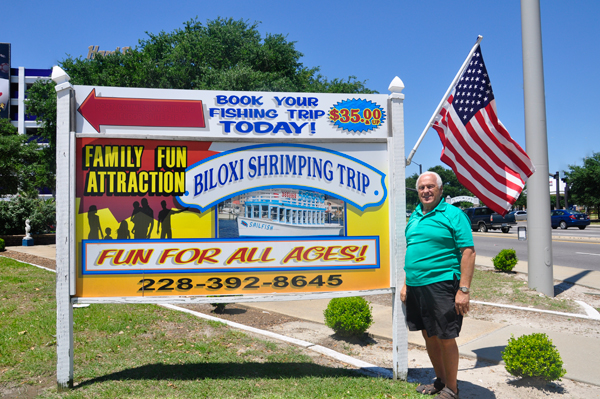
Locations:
575 239
586 253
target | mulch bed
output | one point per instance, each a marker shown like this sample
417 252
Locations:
27 258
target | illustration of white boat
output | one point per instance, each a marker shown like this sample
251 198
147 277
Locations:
290 212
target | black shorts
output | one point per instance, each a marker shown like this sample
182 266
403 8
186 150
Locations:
431 308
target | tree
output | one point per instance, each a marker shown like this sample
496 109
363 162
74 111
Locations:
18 161
223 54
412 197
41 102
561 202
584 182
450 185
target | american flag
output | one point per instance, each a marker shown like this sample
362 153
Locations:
484 157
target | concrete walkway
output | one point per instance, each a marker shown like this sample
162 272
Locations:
44 251
479 339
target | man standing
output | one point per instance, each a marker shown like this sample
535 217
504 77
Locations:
440 258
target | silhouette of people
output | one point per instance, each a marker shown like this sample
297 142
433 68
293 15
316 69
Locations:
107 235
164 219
123 231
136 209
142 219
94 222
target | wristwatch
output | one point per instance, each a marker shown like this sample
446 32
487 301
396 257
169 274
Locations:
464 289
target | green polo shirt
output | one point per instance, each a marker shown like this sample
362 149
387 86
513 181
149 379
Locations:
432 244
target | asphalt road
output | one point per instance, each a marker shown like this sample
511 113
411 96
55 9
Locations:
572 247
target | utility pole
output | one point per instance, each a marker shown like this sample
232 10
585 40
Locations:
557 181
539 243
564 179
420 167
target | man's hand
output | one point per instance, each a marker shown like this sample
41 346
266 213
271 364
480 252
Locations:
403 294
467 265
461 303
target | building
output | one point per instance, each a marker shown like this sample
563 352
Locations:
552 185
14 83
21 80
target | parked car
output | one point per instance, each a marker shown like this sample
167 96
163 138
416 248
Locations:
484 219
564 219
519 215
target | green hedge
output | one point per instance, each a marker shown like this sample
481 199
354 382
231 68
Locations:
348 316
506 260
533 355
41 214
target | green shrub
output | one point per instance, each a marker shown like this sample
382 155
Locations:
533 356
2 246
41 214
348 316
506 260
219 307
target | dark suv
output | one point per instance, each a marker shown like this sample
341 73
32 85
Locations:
484 219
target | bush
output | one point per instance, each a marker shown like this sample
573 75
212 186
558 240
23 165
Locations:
533 356
219 307
2 246
505 260
348 316
41 214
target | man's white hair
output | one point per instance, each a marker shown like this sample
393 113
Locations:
438 179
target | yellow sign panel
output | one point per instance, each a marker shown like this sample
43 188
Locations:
184 218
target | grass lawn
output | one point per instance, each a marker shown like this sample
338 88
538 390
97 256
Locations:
145 351
500 287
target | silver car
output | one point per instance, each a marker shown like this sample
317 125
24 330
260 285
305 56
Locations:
520 215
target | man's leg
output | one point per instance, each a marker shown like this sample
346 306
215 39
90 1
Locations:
443 354
434 350
449 350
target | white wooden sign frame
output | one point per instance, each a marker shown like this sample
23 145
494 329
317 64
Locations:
66 240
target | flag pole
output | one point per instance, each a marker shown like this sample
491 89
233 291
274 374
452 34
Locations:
441 104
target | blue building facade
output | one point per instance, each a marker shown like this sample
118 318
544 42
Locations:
21 80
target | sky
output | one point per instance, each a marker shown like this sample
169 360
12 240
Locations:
424 43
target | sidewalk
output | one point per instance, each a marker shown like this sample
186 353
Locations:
479 339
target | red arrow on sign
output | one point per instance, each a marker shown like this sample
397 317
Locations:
115 111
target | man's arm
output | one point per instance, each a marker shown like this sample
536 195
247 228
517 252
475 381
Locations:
403 293
467 265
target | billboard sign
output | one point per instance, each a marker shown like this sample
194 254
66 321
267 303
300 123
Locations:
189 196
196 193
4 80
